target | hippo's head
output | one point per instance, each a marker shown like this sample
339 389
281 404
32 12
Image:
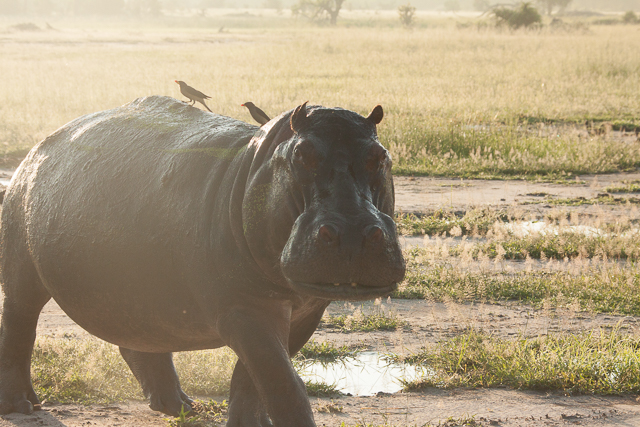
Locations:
318 211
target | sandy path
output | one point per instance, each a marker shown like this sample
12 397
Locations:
424 194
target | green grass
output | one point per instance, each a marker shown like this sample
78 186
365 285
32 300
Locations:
320 389
457 102
602 199
609 288
628 187
586 363
204 414
474 222
363 322
564 244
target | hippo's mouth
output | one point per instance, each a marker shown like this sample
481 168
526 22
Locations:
342 291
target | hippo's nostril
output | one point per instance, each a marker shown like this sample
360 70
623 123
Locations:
328 234
374 234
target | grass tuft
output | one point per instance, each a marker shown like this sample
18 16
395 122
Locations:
605 363
379 320
204 414
605 287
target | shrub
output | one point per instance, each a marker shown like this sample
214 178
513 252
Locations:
630 17
406 13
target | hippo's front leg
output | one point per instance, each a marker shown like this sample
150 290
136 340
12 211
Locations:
259 336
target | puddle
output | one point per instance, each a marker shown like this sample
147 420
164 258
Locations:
365 374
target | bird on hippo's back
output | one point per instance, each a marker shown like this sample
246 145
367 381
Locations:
193 94
257 114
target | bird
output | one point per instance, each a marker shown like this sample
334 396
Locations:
193 94
257 114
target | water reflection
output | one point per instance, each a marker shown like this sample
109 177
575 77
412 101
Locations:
364 374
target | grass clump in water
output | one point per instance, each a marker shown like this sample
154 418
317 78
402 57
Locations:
325 352
585 363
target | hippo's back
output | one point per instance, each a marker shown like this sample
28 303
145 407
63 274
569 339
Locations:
115 206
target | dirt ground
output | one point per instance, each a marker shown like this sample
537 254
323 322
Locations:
429 322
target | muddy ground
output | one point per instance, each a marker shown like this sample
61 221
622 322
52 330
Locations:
428 322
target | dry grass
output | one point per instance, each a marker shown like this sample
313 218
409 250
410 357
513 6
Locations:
457 102
604 363
91 371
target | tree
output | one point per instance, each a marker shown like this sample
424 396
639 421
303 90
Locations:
523 15
318 10
406 13
630 17
549 5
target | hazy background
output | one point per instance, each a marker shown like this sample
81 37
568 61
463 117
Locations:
156 7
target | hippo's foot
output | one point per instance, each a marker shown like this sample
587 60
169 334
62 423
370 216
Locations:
245 407
157 376
249 412
19 403
170 402
17 395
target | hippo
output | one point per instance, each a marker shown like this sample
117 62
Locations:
159 228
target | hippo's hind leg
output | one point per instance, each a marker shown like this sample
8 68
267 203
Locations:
24 297
160 384
245 407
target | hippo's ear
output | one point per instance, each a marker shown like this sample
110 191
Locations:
375 116
299 117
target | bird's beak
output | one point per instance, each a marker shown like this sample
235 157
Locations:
242 105
176 81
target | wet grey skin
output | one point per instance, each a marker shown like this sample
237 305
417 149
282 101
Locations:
160 228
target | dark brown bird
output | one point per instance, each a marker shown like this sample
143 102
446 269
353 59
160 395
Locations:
193 94
257 114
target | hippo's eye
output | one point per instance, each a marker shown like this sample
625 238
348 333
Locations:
377 160
305 154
